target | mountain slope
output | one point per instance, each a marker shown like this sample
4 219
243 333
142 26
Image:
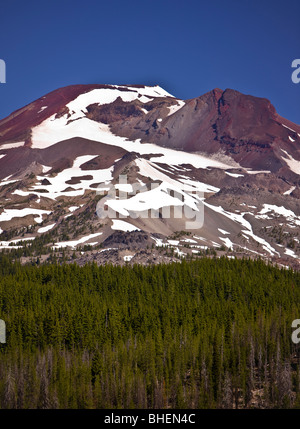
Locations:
217 172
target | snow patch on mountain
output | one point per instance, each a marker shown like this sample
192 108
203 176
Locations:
228 243
103 96
293 164
280 211
239 218
58 183
75 243
234 174
175 107
9 214
223 231
121 225
12 145
52 130
285 126
45 228
289 191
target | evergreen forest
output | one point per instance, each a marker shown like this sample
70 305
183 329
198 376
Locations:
208 333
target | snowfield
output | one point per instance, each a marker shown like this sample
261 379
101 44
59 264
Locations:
75 243
281 211
45 228
248 231
121 225
9 214
293 164
173 109
58 185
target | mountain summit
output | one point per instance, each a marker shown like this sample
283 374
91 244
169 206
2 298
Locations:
225 154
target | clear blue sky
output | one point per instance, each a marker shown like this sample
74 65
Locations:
186 46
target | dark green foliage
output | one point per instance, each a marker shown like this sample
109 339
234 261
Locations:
202 334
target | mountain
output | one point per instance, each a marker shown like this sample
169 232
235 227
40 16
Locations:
131 174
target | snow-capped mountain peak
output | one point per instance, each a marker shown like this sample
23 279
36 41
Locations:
226 158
